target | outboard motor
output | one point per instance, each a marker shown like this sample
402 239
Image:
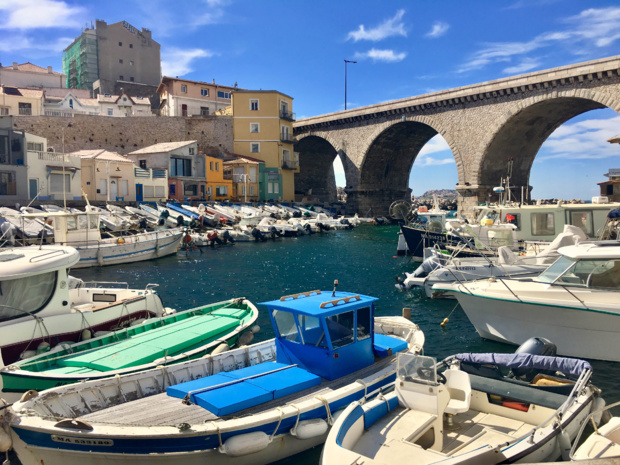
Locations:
346 222
308 228
161 222
257 235
274 232
534 346
427 266
180 221
226 237
142 223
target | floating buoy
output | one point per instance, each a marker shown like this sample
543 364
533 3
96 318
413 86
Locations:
245 444
120 240
444 322
308 429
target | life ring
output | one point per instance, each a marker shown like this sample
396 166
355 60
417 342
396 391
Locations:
120 240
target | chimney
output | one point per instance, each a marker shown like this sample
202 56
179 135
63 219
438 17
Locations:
14 65
49 70
213 80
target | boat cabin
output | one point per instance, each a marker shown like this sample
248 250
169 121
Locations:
330 334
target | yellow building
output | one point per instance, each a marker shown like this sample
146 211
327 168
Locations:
244 174
218 188
107 175
263 129
20 102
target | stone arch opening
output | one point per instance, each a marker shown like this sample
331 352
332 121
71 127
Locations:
316 170
521 137
385 172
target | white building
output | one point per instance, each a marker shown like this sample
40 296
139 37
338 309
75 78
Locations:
74 102
28 75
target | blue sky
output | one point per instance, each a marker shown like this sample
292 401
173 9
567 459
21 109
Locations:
402 49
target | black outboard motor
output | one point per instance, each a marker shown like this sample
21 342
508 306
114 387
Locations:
142 223
274 232
346 222
257 235
161 222
226 237
308 228
534 346
180 221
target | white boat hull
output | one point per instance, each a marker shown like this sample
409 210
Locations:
577 332
130 249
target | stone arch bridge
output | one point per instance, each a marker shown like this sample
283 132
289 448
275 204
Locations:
484 125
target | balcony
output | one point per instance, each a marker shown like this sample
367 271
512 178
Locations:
286 137
290 164
287 115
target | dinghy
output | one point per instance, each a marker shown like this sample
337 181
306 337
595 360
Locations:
143 345
470 413
252 405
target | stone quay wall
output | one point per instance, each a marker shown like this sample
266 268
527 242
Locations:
123 135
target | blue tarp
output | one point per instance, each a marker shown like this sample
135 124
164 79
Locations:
568 366
614 214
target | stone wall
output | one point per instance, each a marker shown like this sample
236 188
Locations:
123 135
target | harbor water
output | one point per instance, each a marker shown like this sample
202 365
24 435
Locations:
362 260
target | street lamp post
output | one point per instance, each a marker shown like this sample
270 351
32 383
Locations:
345 81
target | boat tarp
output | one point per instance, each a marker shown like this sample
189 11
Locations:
568 366
614 214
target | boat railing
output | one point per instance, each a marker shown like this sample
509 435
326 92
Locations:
48 255
104 284
590 420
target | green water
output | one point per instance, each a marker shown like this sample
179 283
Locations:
362 260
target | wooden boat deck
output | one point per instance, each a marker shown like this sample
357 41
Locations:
388 441
160 409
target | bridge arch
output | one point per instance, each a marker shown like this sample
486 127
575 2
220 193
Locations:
389 158
523 130
316 172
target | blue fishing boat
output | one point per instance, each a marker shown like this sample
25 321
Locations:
253 405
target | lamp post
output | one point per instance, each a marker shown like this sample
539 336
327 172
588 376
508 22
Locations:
345 81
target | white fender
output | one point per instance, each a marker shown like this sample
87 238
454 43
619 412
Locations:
255 329
244 444
27 354
565 445
246 338
598 404
43 347
138 321
223 347
86 335
307 429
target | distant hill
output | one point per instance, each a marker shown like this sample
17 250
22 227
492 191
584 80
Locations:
440 193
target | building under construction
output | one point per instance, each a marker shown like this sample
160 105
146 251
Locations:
110 57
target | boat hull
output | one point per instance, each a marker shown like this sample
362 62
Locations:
417 239
131 249
577 332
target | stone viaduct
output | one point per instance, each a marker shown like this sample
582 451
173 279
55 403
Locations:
484 125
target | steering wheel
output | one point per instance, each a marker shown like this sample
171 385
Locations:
426 373
441 378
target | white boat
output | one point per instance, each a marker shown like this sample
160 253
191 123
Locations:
29 229
154 213
467 414
440 268
41 306
604 442
252 405
574 302
81 230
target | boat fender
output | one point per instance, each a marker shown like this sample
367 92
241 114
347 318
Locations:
43 347
86 335
101 333
255 329
308 429
565 445
599 404
27 354
246 338
120 240
223 347
245 444
5 441
137 322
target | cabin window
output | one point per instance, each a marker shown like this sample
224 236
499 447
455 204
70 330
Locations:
584 273
556 269
25 295
82 222
71 223
543 224
583 220
363 323
94 222
285 324
340 329
311 331
605 275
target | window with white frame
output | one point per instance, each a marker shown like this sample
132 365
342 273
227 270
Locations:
217 166
192 150
254 127
254 104
253 174
276 187
255 147
103 186
211 166
124 187
149 191
251 190
221 191
110 111
222 94
184 89
204 92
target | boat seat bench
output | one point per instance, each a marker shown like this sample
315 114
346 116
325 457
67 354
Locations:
517 392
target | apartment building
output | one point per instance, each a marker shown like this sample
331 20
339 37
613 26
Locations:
17 101
28 75
107 175
218 187
182 97
108 55
263 129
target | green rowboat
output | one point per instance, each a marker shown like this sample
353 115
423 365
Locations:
169 339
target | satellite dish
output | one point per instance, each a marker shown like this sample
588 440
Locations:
401 210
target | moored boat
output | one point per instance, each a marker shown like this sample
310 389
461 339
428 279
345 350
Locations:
470 413
252 405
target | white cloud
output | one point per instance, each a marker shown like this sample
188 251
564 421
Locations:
381 55
439 28
525 65
32 14
20 42
582 140
177 62
435 146
596 28
388 28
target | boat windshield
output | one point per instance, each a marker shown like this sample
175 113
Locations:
556 269
20 297
598 274
417 369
